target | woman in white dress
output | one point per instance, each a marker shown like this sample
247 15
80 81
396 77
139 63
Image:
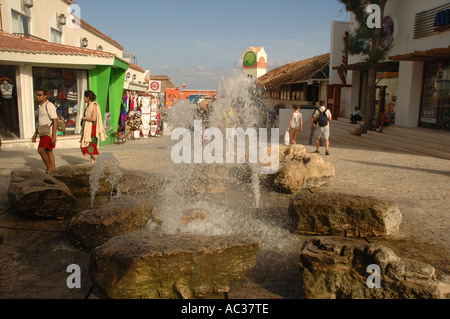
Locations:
296 124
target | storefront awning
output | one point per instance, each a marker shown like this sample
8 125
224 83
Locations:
137 87
15 48
439 54
361 66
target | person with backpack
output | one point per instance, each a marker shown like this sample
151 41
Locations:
47 129
321 121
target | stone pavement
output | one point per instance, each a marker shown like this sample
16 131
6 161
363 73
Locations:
34 255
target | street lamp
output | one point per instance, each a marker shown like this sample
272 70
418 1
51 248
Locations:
28 3
62 19
84 42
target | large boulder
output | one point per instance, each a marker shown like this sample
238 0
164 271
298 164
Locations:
131 182
343 215
337 267
38 194
94 227
165 266
299 170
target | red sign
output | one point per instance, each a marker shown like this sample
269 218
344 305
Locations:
155 86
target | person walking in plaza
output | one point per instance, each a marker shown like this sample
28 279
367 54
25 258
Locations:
47 130
296 124
321 120
93 129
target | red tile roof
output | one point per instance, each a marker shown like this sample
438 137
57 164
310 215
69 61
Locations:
138 68
13 43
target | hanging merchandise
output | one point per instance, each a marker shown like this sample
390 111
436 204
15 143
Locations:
72 94
154 118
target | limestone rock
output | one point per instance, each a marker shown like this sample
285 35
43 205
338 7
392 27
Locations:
343 215
76 177
299 170
166 266
208 179
92 228
37 194
185 217
191 215
337 267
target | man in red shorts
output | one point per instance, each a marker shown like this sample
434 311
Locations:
47 130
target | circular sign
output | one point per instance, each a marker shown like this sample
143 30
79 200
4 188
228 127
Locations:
249 58
388 28
154 86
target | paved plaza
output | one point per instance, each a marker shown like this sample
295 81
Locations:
34 254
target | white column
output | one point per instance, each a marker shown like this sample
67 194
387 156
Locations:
409 93
352 93
25 101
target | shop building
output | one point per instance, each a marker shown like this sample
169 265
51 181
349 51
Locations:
413 84
42 45
302 82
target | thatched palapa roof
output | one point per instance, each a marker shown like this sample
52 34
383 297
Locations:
297 72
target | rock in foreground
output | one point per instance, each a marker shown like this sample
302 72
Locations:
92 228
131 182
343 215
163 266
299 170
336 267
37 194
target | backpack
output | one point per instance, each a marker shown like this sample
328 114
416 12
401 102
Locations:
323 118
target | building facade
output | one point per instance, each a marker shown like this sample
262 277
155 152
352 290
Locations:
413 84
45 44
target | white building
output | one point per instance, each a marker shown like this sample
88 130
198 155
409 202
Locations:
46 44
254 62
414 82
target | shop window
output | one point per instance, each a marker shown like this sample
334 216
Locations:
66 88
435 106
387 88
56 36
9 116
20 22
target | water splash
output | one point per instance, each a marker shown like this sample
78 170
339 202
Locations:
231 193
107 168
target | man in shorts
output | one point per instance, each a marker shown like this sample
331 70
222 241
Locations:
47 141
321 121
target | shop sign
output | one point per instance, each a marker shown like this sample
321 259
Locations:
155 87
388 26
442 21
249 58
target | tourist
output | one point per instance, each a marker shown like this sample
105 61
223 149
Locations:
47 130
383 120
296 124
355 116
321 120
93 129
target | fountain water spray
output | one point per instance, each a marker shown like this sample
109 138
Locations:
107 167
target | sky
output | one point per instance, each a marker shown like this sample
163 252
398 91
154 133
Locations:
199 42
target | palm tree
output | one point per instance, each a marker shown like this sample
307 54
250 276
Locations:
367 41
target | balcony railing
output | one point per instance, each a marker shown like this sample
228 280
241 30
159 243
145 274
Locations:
29 36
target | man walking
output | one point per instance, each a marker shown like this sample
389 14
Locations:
47 130
321 121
